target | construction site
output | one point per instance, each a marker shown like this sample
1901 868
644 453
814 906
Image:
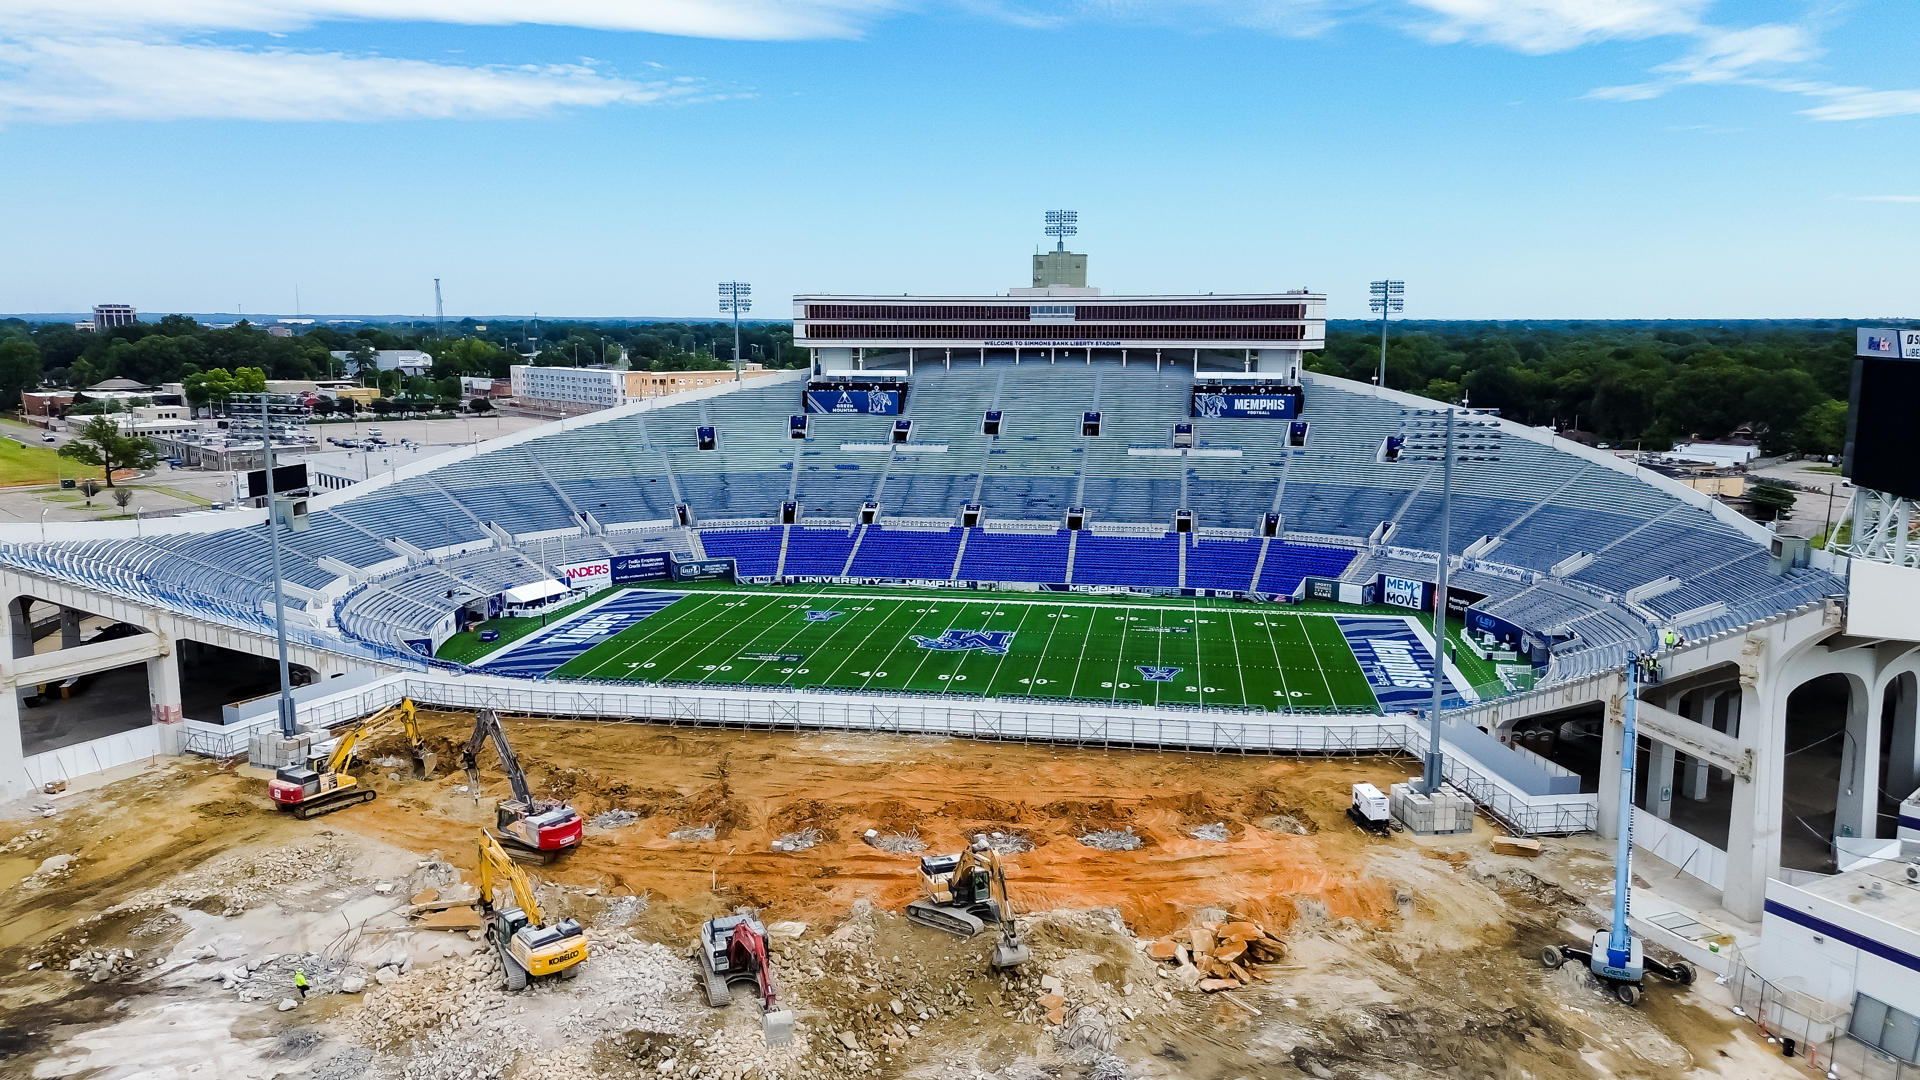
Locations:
1137 914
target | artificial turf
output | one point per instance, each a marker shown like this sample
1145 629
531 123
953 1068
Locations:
1155 652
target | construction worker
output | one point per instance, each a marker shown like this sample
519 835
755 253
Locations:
300 983
1671 639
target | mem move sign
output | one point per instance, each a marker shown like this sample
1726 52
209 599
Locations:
1888 344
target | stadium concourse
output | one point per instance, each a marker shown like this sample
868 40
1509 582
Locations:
1100 483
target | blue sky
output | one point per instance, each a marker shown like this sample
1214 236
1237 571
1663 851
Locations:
1507 158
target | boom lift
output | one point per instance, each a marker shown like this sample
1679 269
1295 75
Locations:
1617 955
734 949
964 892
528 947
324 784
535 830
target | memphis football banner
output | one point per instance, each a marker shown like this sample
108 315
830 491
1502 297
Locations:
1271 406
867 402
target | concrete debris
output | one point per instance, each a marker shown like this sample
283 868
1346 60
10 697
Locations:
798 841
613 819
348 1064
1523 846
352 984
1218 954
1113 839
1009 843
23 841
272 976
249 879
1109 1067
1214 834
906 843
692 834
287 1005
55 866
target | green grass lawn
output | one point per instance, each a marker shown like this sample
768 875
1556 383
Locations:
38 465
1085 648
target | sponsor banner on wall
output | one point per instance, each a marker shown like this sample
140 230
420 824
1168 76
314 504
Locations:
1319 588
597 574
1459 600
867 402
702 569
1405 592
1495 625
645 566
1270 406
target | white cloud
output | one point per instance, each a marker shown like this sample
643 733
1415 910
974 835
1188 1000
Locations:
1887 198
1548 26
1859 103
63 81
732 19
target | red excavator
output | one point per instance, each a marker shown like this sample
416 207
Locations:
535 831
734 949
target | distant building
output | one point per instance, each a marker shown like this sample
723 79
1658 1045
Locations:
408 362
108 316
481 386
84 327
662 383
279 331
605 387
156 420
51 405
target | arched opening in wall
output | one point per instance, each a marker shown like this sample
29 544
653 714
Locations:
1569 738
1899 752
1690 794
213 678
1816 737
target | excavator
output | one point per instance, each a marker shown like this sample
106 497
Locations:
324 784
734 949
966 891
528 947
536 831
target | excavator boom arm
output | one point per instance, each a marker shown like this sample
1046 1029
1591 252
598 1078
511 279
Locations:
343 750
487 725
496 866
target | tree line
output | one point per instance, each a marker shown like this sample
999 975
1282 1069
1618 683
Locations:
1645 384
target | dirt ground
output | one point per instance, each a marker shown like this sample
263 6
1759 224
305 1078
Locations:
164 947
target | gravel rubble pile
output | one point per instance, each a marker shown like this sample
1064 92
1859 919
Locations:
906 843
692 834
246 880
1009 843
798 841
1113 839
1214 834
348 1064
613 819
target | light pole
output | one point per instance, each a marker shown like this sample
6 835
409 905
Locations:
1480 443
735 298
1385 296
43 524
289 726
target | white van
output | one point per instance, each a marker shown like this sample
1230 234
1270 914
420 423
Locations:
374 432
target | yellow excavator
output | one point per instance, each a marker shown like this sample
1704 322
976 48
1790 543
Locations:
528 947
324 784
964 893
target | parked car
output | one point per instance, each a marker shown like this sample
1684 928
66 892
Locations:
49 437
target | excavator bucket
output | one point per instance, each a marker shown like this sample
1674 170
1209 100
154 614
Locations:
1010 952
424 761
778 1027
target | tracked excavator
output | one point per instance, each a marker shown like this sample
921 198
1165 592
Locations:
734 949
964 893
528 947
324 784
535 831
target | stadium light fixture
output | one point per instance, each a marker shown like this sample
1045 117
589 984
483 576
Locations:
736 297
1062 224
1478 441
1385 297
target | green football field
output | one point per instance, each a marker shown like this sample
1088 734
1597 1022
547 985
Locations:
1152 652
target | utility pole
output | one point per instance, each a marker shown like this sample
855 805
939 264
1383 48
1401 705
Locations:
439 315
1385 296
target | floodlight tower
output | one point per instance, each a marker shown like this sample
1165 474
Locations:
1062 224
736 297
1385 296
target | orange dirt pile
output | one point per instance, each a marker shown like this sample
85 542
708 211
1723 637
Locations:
1288 839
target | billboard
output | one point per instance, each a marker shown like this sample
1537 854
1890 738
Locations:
701 569
867 402
1270 406
285 478
597 574
1501 629
1459 600
1879 450
1888 344
645 566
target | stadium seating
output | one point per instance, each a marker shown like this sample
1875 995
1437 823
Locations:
629 469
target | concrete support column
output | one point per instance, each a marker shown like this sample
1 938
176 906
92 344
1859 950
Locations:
1612 732
1856 803
1753 835
163 690
14 781
70 627
20 617
1660 760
